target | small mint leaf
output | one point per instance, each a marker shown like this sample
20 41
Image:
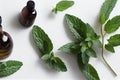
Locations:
63 5
90 32
110 48
106 9
91 53
90 44
114 40
84 47
57 64
70 48
112 25
85 58
46 57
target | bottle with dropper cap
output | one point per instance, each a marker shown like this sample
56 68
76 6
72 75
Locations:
28 14
6 43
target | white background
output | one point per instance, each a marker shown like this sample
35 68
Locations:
24 49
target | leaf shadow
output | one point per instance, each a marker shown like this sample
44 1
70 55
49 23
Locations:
72 65
51 15
16 24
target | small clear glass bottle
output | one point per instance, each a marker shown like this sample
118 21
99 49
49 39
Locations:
28 14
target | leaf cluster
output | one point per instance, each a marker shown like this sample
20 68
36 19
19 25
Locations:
83 46
45 46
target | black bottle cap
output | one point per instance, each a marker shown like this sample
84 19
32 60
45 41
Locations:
30 5
0 20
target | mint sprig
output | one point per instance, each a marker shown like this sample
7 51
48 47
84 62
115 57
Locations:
83 46
45 46
9 67
63 5
107 27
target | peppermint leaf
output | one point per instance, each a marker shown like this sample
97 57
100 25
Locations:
112 25
114 40
46 57
70 48
85 58
63 5
90 32
9 67
57 64
91 53
88 70
80 29
106 9
110 48
42 40
76 26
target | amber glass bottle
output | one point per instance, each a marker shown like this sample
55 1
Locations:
28 14
6 43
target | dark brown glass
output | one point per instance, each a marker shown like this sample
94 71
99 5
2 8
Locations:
6 46
28 14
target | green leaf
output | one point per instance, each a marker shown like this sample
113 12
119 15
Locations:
70 48
114 40
91 53
106 9
80 29
90 32
88 70
110 48
46 57
63 5
84 47
85 58
90 44
112 25
57 64
76 26
42 40
9 67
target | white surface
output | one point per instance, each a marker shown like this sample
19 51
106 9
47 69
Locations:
24 50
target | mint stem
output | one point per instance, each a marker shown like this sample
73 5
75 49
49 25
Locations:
103 35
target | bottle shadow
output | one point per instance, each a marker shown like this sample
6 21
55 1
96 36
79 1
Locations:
16 24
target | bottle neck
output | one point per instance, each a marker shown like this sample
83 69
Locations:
30 6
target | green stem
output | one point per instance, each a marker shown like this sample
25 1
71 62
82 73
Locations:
103 35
